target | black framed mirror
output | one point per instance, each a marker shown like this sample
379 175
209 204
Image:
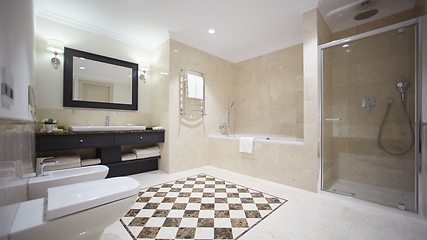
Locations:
95 81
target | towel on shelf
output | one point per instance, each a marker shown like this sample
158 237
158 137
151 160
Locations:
157 128
88 162
60 167
147 152
246 144
128 156
195 87
70 161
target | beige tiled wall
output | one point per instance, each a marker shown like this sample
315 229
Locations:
160 98
292 165
93 117
188 134
269 94
372 67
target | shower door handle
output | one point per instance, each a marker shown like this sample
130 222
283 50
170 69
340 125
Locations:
333 119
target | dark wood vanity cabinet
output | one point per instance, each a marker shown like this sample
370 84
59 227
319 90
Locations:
108 147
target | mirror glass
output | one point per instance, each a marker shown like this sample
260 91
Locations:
95 81
101 82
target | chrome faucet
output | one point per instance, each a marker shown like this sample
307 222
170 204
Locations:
40 164
107 121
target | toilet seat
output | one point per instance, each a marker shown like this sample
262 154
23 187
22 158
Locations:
69 199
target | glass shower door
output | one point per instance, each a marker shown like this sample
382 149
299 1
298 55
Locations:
363 110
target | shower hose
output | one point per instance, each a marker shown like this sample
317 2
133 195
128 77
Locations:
410 125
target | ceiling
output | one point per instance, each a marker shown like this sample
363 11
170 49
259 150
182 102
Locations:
339 14
244 28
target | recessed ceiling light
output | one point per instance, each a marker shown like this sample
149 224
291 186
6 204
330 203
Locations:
82 68
175 50
345 45
348 50
211 31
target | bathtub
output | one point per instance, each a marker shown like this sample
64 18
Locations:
263 138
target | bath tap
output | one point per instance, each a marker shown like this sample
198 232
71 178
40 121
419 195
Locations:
107 121
40 164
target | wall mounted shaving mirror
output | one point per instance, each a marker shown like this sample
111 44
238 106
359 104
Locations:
95 81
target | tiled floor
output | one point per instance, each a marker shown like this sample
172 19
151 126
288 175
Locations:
198 207
306 215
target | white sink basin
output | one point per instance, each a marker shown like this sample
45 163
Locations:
37 186
106 128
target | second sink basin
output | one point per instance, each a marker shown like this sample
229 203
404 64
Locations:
106 128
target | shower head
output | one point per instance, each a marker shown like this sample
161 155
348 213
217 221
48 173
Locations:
367 13
231 104
229 108
402 86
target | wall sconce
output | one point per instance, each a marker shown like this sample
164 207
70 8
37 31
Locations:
56 47
144 67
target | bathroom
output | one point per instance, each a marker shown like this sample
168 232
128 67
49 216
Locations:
282 99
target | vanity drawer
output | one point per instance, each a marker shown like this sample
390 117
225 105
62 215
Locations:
47 143
135 138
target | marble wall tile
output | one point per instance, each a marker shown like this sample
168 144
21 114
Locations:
91 117
188 134
270 101
287 164
160 97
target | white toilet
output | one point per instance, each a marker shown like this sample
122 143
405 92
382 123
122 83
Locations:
76 211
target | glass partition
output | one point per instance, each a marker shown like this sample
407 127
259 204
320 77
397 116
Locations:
368 115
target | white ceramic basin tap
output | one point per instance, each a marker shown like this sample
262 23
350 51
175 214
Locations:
106 128
37 186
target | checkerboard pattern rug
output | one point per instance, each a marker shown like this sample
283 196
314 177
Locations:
198 207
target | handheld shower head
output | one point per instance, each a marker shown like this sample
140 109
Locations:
402 86
231 104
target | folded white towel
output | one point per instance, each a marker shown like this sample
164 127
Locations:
88 162
144 152
195 87
191 86
199 88
147 155
129 156
61 166
66 159
246 144
157 128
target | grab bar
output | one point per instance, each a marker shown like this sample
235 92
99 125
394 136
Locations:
333 119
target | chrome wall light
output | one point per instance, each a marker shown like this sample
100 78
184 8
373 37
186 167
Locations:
144 67
56 47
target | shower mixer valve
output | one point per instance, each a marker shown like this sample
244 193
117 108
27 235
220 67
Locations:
368 102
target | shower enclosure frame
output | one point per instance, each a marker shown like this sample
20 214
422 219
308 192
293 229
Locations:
419 175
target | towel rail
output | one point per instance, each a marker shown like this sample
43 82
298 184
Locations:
184 100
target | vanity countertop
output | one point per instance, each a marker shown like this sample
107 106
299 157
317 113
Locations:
95 132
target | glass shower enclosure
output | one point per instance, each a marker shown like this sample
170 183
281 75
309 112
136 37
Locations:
369 93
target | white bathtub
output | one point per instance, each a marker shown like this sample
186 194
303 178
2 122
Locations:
263 138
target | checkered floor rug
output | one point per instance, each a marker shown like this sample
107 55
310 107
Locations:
198 207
